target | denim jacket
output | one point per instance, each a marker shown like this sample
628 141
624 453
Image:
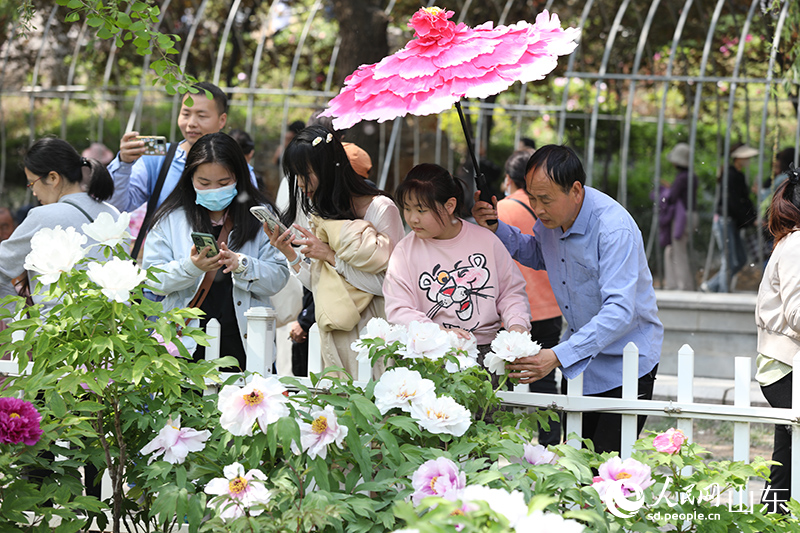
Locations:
168 247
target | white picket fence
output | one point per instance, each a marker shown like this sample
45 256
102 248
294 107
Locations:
684 409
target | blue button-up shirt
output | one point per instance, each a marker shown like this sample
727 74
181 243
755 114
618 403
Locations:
602 282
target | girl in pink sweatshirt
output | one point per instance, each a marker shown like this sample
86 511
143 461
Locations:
449 271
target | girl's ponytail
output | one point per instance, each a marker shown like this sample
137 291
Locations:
101 184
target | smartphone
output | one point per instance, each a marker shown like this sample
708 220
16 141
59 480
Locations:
153 144
266 216
201 240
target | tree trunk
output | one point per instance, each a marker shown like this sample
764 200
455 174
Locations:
362 25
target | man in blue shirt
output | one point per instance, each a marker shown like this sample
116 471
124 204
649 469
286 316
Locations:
594 256
135 174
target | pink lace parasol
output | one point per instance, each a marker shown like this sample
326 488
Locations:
446 62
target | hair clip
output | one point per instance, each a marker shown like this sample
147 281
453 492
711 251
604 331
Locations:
317 140
793 174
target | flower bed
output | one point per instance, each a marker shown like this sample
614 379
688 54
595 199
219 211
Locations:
413 451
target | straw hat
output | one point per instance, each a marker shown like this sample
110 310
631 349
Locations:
359 159
679 155
744 152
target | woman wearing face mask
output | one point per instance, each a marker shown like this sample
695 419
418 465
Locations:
214 195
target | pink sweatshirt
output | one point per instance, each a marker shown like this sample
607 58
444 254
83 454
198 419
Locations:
468 282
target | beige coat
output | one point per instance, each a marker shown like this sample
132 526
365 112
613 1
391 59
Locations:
778 306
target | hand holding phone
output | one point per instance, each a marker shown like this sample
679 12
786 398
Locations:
201 240
153 144
266 217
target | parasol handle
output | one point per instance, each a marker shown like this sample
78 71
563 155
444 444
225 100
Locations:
480 178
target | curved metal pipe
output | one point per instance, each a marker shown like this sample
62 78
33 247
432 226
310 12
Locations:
3 146
696 108
622 187
71 76
727 149
112 53
35 79
562 118
776 39
293 73
612 35
187 47
224 40
248 124
135 118
676 37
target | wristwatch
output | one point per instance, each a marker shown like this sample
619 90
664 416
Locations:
243 261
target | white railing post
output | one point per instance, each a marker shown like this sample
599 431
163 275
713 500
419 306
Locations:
741 430
213 329
686 394
630 391
575 419
260 339
314 350
795 486
364 371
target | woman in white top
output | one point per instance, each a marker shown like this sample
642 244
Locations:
55 172
354 228
778 323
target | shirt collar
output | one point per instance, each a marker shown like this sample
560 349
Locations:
581 224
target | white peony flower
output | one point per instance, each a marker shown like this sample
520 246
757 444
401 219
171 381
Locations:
377 328
468 347
176 442
509 504
238 491
401 387
324 430
507 347
442 415
106 230
260 400
53 251
117 277
547 523
426 339
466 352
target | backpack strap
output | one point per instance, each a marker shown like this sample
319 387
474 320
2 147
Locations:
208 279
152 203
526 206
79 208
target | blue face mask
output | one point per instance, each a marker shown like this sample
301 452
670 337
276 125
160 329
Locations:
216 199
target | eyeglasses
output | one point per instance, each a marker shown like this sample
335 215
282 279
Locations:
30 184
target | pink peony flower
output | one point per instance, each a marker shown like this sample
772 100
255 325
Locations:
238 491
431 24
437 477
172 349
324 430
175 442
19 422
539 455
260 400
669 441
631 473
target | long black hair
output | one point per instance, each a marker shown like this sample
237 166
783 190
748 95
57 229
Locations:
57 155
221 149
433 186
316 149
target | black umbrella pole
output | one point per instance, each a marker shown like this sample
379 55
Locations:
480 178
